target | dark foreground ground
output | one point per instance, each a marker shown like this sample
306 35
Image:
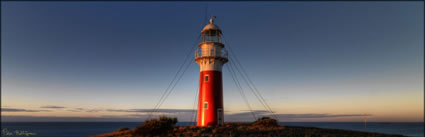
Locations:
264 127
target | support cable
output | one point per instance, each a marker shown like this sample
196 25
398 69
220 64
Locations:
262 103
248 80
170 87
240 89
257 94
193 116
173 81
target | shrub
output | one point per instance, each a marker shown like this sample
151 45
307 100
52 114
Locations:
266 122
156 126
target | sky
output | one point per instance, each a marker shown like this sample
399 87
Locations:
311 61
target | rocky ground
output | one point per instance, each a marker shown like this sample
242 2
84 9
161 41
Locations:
264 127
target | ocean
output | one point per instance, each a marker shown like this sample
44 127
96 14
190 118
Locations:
83 129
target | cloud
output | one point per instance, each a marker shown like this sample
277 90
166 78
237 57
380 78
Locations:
52 107
152 110
247 116
93 110
22 110
139 115
134 110
170 111
76 110
249 113
286 116
84 110
9 118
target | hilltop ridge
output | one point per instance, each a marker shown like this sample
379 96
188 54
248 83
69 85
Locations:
264 127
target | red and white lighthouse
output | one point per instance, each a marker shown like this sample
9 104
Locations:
211 57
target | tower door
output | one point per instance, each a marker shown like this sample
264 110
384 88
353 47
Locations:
220 116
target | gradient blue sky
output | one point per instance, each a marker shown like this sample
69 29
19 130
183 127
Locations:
312 61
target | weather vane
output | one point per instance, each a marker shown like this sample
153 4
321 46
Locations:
212 20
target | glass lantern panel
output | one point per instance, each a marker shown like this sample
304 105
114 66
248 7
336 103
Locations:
211 36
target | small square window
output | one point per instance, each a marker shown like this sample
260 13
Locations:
206 105
206 78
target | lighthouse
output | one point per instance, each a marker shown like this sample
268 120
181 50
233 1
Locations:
211 56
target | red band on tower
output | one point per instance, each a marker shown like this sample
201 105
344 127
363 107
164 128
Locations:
210 106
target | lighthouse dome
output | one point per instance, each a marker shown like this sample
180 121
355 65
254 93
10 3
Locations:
211 27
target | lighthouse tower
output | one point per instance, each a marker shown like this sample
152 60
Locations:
211 57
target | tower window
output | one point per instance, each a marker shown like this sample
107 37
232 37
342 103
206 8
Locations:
206 78
205 105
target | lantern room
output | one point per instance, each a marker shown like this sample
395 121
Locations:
211 33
